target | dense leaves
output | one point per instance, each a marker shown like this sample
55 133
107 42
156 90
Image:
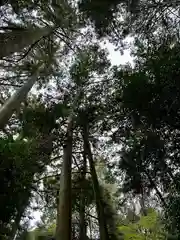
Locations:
121 122
19 163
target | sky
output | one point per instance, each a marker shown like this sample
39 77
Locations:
116 57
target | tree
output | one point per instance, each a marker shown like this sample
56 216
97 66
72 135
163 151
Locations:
148 227
128 116
97 191
82 217
63 227
21 168
149 98
153 21
15 101
15 41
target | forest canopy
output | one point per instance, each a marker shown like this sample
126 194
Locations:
91 147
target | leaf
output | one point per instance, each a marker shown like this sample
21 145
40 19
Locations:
130 233
149 221
125 229
52 228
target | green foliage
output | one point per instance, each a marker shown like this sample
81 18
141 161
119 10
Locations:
171 214
137 107
42 234
17 168
148 227
89 61
80 187
100 12
149 127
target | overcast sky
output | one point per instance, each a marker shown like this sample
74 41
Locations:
116 57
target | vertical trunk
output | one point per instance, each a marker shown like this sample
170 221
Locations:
44 150
151 179
14 101
82 235
16 224
15 41
63 226
142 201
98 195
156 188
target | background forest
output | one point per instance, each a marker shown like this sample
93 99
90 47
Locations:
94 148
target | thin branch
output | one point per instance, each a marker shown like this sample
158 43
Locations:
49 176
76 162
57 35
91 216
11 85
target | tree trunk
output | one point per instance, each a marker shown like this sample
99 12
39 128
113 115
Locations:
15 41
156 188
16 224
14 101
63 226
142 201
82 222
98 195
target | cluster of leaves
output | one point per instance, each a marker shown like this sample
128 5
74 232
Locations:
149 126
18 166
148 227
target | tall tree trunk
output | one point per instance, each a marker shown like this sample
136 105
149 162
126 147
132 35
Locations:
142 200
13 103
146 171
97 191
63 225
82 222
15 41
16 224
156 188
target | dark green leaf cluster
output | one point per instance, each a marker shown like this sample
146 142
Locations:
149 125
101 13
17 168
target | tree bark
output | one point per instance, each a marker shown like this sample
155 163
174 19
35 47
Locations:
98 195
156 188
82 222
63 226
151 180
13 103
15 41
142 201
16 224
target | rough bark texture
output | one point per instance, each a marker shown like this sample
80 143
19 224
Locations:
16 224
14 102
97 192
15 41
63 226
82 223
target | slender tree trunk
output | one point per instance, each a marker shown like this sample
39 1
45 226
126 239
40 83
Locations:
63 226
151 179
13 103
98 195
142 201
15 41
16 224
156 188
82 223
